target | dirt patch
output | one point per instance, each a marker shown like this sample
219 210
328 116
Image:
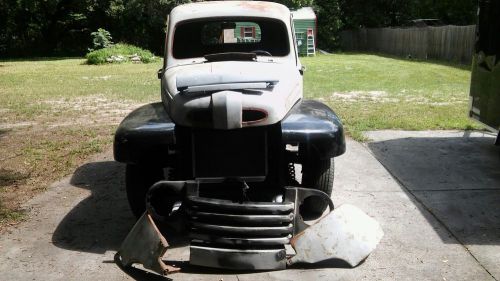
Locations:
34 158
34 154
9 177
354 96
9 126
105 77
89 110
414 97
89 103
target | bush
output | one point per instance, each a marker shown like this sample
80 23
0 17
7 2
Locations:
120 53
101 39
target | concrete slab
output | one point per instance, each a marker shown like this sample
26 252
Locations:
444 160
455 175
75 228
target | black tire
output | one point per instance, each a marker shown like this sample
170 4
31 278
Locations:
138 180
317 174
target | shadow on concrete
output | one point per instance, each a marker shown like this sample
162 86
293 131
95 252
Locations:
140 274
456 178
186 268
101 221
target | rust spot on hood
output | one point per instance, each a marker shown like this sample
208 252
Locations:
259 6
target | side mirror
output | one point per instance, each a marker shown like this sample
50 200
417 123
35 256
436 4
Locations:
160 73
302 69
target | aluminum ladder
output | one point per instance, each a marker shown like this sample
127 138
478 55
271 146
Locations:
311 45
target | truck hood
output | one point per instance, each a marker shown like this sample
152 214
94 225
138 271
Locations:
232 72
268 87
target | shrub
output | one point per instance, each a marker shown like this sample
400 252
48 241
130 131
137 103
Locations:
119 53
101 39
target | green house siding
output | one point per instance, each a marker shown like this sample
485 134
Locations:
301 27
240 25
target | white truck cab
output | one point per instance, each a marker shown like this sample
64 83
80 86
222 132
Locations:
230 64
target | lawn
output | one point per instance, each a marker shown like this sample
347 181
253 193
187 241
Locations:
370 92
56 113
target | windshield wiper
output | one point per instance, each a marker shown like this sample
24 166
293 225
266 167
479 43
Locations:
232 56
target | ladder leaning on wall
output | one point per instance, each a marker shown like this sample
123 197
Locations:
311 45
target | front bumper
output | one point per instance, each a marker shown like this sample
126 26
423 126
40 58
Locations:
249 235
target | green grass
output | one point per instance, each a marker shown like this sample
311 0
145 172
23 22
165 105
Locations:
100 56
27 88
7 178
8 215
371 92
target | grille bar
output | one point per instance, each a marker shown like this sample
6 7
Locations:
229 219
240 241
226 206
257 231
216 221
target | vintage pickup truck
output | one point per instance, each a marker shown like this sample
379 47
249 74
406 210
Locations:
218 154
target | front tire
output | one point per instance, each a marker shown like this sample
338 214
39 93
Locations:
138 180
317 174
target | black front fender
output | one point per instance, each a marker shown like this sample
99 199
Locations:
147 134
144 136
314 125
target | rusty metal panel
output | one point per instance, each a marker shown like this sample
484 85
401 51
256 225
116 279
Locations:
347 233
145 245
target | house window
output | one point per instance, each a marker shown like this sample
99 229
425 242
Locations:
248 32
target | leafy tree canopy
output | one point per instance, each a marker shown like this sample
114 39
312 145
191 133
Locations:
64 27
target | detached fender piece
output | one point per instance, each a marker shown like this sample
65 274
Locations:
144 136
145 245
314 124
346 233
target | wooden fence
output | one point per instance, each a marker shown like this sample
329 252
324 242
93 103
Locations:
449 43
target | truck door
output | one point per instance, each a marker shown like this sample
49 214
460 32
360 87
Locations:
485 81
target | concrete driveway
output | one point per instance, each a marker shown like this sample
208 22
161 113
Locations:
436 195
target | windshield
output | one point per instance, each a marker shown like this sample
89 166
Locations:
264 37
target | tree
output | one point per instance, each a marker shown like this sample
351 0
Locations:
383 13
457 12
295 4
63 27
328 13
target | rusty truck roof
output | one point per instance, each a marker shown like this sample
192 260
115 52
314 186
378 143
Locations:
229 9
